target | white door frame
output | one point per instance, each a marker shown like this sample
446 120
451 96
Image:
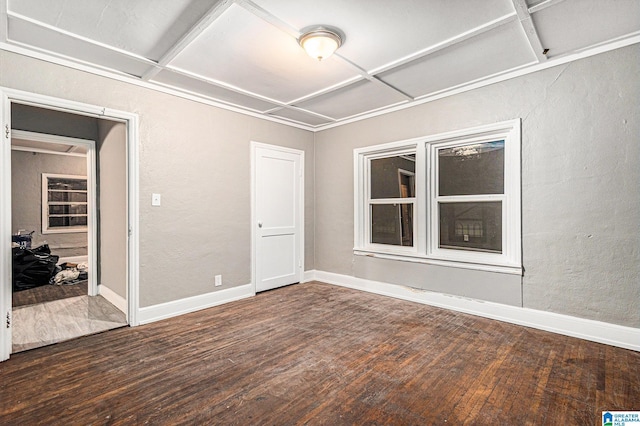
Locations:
254 219
8 96
92 224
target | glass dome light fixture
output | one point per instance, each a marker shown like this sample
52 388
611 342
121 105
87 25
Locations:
320 42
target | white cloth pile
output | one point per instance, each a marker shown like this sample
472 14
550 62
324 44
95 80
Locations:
67 276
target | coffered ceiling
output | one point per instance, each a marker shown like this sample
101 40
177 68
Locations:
243 54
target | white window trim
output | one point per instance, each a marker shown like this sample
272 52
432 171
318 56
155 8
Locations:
362 157
386 201
426 225
45 205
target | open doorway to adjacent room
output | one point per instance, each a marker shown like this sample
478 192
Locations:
69 225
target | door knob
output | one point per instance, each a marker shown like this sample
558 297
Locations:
259 224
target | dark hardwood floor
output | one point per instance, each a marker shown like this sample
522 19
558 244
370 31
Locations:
319 354
48 293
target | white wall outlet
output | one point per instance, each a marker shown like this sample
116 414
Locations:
218 280
155 199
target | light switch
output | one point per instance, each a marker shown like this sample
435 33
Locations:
155 199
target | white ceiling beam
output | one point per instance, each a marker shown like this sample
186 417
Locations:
203 23
326 90
524 16
371 75
280 104
543 5
377 80
77 37
4 20
305 111
221 85
268 17
446 43
364 74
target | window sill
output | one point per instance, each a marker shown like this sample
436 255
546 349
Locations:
419 258
69 230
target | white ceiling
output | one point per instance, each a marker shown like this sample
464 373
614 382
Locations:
31 145
244 53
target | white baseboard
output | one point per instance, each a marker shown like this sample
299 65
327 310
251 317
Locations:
309 276
113 298
191 304
596 331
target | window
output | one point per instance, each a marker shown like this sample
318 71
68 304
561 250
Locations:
391 199
449 199
64 203
470 185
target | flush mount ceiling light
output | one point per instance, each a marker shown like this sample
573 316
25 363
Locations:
320 42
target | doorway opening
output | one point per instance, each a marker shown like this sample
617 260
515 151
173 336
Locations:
54 184
68 199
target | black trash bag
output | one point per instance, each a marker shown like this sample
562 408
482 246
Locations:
32 267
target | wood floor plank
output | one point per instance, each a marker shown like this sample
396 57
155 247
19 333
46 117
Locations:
54 321
48 293
320 355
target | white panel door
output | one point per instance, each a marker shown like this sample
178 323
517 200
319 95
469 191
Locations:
278 216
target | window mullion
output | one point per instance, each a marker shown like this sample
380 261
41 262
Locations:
392 200
470 198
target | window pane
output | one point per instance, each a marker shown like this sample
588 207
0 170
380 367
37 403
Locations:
392 224
78 197
56 222
57 196
471 226
393 177
471 169
63 184
68 209
64 221
77 220
63 196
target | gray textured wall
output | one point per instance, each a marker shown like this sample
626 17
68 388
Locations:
26 198
580 176
198 158
112 205
580 180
